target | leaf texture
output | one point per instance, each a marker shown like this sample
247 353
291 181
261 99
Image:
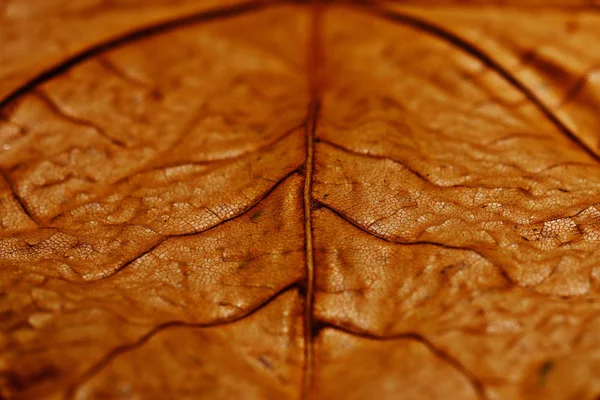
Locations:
299 201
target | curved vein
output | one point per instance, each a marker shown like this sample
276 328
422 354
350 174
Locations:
60 113
212 166
417 173
352 222
118 351
458 42
443 355
18 198
216 162
134 36
223 221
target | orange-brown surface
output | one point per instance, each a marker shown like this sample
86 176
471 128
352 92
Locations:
279 200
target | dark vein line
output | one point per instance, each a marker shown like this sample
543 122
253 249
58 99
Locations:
380 157
352 222
229 219
133 36
219 161
56 109
212 164
310 267
112 68
458 42
314 60
441 354
129 347
577 87
525 192
568 164
18 198
126 264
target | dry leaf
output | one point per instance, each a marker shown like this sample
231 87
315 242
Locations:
207 200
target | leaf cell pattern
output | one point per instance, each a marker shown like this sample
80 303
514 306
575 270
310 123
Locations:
271 200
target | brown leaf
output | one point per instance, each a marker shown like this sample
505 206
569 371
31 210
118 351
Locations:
299 201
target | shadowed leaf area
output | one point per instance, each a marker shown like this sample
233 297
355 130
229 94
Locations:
299 200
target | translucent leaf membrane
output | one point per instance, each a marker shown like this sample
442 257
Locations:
204 200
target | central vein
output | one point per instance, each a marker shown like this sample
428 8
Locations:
314 57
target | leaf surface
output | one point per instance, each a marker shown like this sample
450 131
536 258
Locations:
309 201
